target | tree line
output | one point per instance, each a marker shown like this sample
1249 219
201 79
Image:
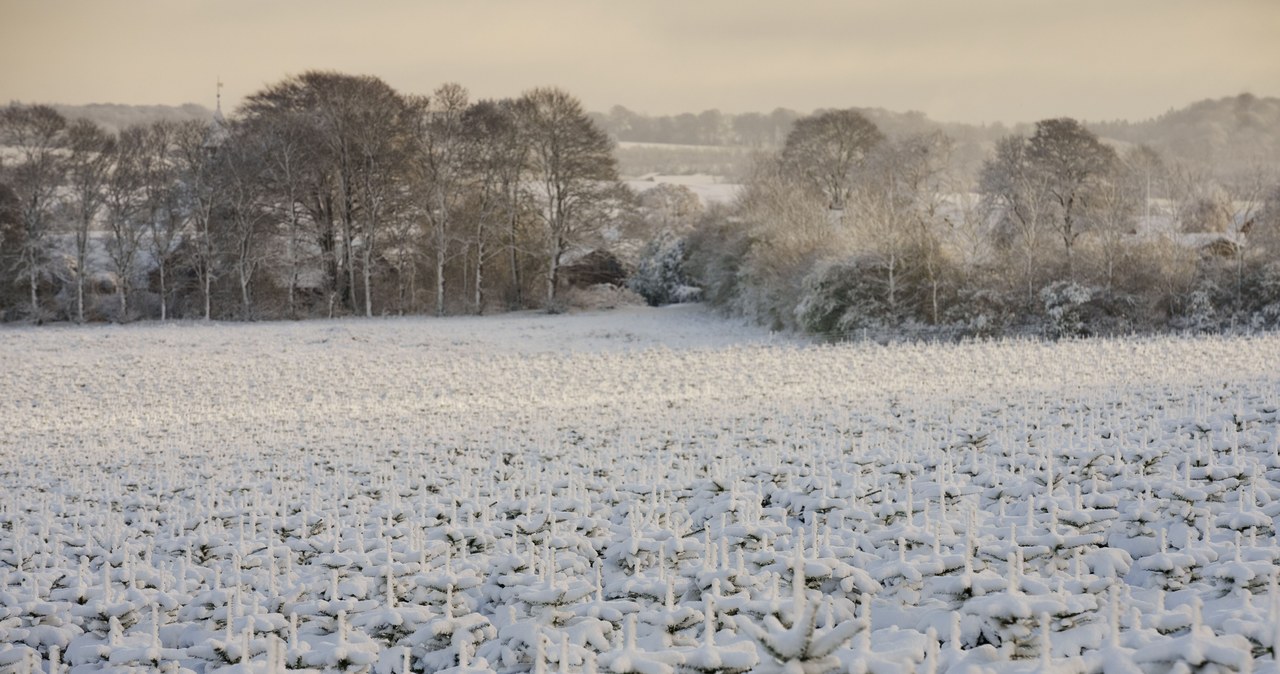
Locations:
329 194
1225 136
845 232
709 127
324 194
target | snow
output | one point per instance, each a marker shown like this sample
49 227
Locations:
640 490
709 189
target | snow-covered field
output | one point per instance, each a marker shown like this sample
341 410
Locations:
646 490
709 189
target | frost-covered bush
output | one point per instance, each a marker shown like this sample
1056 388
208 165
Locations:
660 277
714 255
1200 309
1260 294
838 299
979 312
1231 295
1065 308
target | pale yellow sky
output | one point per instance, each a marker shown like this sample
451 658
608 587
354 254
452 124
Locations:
970 60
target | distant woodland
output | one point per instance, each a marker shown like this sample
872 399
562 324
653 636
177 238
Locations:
328 194
1223 135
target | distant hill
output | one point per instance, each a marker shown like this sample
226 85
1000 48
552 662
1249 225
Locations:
115 116
1229 134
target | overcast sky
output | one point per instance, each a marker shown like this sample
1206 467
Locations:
956 60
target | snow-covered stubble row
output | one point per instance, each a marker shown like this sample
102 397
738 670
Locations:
359 497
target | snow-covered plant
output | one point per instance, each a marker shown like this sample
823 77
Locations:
663 511
660 277
840 299
712 657
792 640
1064 304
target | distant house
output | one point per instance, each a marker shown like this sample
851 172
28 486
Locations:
594 268
1226 243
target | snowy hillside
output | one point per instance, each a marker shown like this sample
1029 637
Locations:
646 490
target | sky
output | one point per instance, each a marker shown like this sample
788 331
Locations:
976 61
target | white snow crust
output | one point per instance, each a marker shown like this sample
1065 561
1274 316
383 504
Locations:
641 490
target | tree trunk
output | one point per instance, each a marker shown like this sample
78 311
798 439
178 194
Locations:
1030 270
244 294
413 287
553 274
400 283
293 267
35 285
82 253
479 297
1069 238
466 276
328 240
439 279
551 287
517 294
893 286
368 278
1239 276
80 293
515 253
1071 264
348 223
164 294
351 270
933 296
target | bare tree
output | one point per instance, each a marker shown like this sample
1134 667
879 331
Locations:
382 142
906 187
353 122
1265 232
496 164
786 229
512 169
9 227
1248 190
1073 161
126 210
572 162
444 162
1016 195
670 208
298 113
1112 210
89 159
289 167
242 178
329 97
1148 171
827 148
165 206
37 134
195 168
